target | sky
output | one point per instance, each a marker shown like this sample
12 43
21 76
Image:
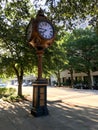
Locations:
41 3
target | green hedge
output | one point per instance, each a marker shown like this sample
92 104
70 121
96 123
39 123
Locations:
5 92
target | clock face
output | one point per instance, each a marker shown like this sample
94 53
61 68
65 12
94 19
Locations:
45 30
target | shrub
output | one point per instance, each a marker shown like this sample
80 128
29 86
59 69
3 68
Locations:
2 91
5 92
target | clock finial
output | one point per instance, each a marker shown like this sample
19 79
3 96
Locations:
40 13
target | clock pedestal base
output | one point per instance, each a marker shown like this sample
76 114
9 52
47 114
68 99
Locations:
39 104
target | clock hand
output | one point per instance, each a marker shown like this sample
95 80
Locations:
42 29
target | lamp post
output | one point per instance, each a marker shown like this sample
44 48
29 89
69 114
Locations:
40 34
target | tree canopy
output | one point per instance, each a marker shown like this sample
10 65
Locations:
64 10
82 51
16 57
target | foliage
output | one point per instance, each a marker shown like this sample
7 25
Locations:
82 51
6 92
70 12
9 95
16 58
14 98
2 91
56 58
13 29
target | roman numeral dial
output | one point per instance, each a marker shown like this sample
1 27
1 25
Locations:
45 30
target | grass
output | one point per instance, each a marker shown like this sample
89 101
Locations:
9 94
5 92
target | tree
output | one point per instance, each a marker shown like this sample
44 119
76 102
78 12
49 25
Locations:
56 59
70 12
17 57
82 51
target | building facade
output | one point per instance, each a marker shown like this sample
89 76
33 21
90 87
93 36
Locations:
66 76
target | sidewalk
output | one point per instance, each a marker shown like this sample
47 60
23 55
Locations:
63 116
88 98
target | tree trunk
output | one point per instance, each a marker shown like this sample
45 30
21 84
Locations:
72 80
20 79
58 79
89 79
19 75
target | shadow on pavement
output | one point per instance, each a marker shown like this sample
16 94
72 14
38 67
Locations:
16 116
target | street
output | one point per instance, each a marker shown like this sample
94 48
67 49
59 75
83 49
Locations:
68 95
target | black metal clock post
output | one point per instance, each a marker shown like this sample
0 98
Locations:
40 34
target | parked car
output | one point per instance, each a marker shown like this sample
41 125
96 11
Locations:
24 84
81 86
3 85
30 84
78 86
95 86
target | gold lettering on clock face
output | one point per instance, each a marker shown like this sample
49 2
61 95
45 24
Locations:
45 29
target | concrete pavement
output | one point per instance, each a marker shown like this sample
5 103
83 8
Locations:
64 112
74 96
